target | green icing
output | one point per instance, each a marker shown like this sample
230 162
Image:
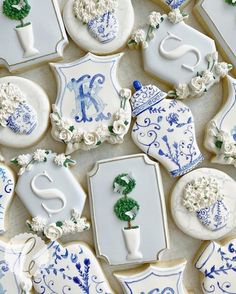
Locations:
230 2
126 188
124 205
19 12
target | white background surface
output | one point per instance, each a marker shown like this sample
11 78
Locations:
203 108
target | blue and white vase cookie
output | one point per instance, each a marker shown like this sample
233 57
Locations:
99 26
24 112
203 205
217 265
164 129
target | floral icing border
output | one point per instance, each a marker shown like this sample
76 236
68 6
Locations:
86 11
222 144
65 130
204 80
26 161
58 229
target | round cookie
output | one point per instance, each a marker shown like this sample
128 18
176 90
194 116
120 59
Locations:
122 26
203 205
24 113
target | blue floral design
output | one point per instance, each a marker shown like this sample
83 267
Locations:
175 3
173 155
233 133
166 290
3 269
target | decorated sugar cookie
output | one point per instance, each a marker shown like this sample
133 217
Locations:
91 107
25 38
20 259
7 189
203 205
211 13
72 268
102 26
161 277
171 46
217 264
164 129
51 193
24 112
131 188
221 131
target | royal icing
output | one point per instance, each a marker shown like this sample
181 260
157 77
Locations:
55 205
20 259
84 115
221 131
217 266
211 13
24 112
7 189
104 26
171 4
169 45
24 29
202 204
161 277
127 214
164 129
72 268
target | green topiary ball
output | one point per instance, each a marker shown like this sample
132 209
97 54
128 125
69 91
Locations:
126 205
124 184
16 9
230 2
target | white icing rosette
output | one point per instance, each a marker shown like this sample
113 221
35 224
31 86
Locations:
53 232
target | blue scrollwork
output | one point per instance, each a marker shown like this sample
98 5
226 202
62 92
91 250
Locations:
167 290
88 105
175 3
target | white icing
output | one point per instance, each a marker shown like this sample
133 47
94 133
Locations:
87 42
66 194
107 117
20 90
180 51
86 10
26 46
48 194
188 221
175 16
128 246
221 131
212 12
165 276
201 193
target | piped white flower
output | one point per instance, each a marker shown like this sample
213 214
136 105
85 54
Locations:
40 155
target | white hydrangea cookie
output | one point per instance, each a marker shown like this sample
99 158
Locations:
24 112
203 205
55 205
99 26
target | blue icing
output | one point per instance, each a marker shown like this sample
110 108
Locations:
175 3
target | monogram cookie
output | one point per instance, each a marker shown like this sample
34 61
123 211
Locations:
56 205
72 268
24 113
179 55
102 26
221 131
164 129
216 263
211 13
25 38
161 277
91 106
131 188
203 205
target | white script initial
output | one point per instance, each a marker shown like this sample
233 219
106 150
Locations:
48 194
179 51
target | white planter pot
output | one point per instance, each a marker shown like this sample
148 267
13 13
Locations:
132 241
26 38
